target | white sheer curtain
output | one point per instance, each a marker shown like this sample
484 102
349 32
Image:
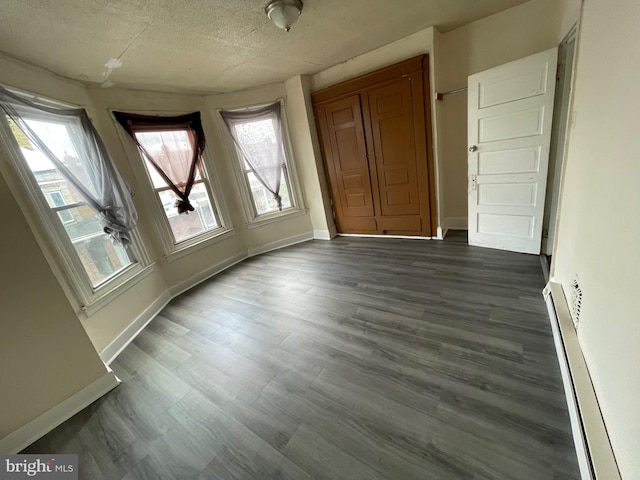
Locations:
101 185
265 161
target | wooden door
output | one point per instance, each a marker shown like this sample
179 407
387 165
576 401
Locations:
510 114
347 166
393 142
374 132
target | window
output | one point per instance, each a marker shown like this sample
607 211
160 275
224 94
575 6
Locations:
88 256
258 137
172 144
172 151
261 150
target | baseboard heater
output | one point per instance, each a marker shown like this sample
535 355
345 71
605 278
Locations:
595 455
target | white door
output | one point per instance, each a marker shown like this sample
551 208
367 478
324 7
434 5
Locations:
510 113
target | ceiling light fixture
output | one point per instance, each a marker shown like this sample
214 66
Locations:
284 13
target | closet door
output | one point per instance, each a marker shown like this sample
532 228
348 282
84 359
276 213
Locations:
393 141
347 166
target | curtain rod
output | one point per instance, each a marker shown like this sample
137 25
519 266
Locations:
440 96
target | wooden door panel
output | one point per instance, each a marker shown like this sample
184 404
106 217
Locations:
347 159
366 225
401 225
392 128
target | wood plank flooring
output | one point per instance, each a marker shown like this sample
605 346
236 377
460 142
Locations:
351 359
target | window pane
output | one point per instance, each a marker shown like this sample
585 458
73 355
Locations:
259 140
163 146
101 259
193 223
263 199
64 141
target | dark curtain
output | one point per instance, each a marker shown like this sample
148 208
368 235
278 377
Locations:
177 167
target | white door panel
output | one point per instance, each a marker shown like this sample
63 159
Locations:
507 89
515 160
523 194
510 114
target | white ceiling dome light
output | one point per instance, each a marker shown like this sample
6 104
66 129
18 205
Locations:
284 13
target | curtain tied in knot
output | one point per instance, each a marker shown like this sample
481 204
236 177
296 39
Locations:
116 231
183 206
173 146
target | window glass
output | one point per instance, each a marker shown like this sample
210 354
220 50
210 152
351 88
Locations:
194 223
173 149
263 199
258 139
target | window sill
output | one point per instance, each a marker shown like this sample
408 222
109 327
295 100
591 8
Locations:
105 297
270 218
195 244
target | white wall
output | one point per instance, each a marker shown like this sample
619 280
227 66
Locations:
509 35
411 46
599 222
306 146
45 355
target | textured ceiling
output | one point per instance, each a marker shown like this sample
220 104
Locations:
212 45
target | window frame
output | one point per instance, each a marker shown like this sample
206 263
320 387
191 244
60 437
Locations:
252 218
52 236
173 249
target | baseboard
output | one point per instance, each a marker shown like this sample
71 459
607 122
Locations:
112 350
322 235
286 242
593 448
43 424
454 223
205 275
364 235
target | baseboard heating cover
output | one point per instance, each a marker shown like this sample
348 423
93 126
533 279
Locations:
595 455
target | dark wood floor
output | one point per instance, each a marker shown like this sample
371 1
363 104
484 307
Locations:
351 359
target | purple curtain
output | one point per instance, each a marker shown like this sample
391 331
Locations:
173 146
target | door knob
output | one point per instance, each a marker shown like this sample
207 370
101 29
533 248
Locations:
473 148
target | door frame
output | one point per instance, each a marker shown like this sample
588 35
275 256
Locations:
567 50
